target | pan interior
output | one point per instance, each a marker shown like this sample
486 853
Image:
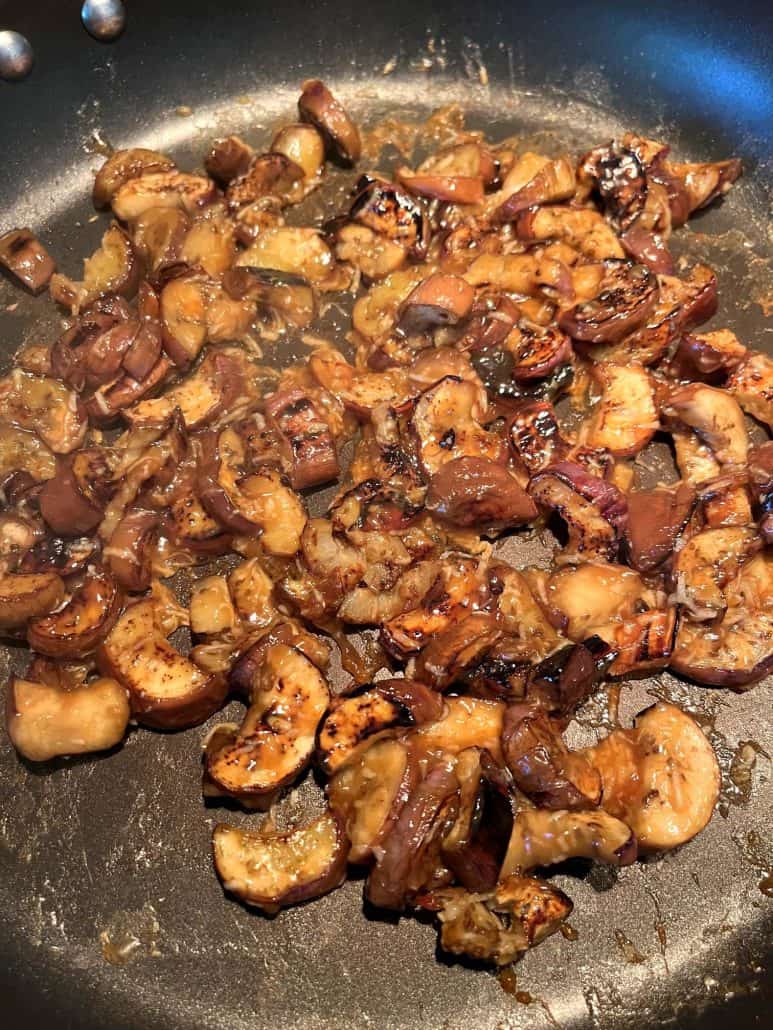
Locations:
106 872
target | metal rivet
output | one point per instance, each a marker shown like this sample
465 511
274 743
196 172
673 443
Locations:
103 19
16 56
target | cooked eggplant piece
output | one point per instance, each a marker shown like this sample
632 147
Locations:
130 550
24 452
656 520
353 721
27 595
498 927
625 418
562 681
361 391
368 794
375 255
386 209
707 563
446 424
734 651
76 629
308 449
752 386
536 351
248 502
274 870
475 846
303 145
584 229
583 597
158 235
45 406
124 165
25 257
542 766
621 180
184 320
211 608
478 492
74 501
462 645
542 838
708 356
455 175
593 510
228 158
553 182
467 722
626 297
535 436
46 720
298 251
275 742
162 189
286 295
166 690
210 245
661 777
112 269
715 416
268 175
407 862
65 557
440 300
693 186
319 107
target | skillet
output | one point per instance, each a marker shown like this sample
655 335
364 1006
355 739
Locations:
110 856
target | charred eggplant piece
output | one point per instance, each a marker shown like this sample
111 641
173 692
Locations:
76 629
626 297
309 455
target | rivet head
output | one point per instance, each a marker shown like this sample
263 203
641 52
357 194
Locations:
16 56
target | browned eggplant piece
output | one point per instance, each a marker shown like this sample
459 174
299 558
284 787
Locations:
303 144
584 229
309 456
228 158
449 189
553 182
457 589
124 165
293 250
621 180
76 629
162 189
369 793
166 690
693 186
386 209
45 406
542 766
354 721
481 493
318 106
474 848
761 478
625 418
541 838
274 870
535 436
708 356
267 175
46 720
593 509
715 416
374 254
566 678
361 391
26 595
159 234
644 642
184 319
73 502
498 927
656 520
25 257
288 295
466 722
460 646
23 453
446 423
707 563
491 318
440 300
734 651
130 551
105 405
537 351
112 269
661 777
626 297
409 859
752 386
288 697
248 502
65 557
583 597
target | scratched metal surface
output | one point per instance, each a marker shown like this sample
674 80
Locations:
109 857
